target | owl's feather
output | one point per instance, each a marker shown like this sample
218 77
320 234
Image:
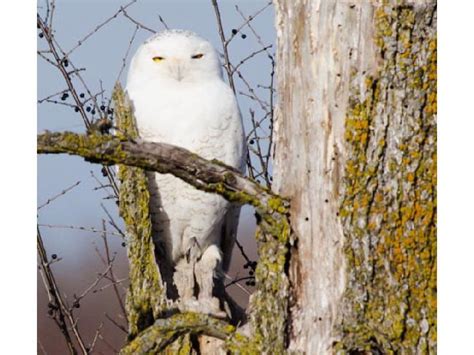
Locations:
181 99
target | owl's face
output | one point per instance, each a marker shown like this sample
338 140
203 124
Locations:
176 55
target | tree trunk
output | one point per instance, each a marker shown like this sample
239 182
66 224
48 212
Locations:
355 136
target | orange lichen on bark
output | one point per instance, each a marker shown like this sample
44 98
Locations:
389 206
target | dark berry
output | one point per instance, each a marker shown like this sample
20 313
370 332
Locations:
244 36
102 108
76 305
234 31
93 112
54 256
251 272
41 35
66 63
76 109
104 171
252 141
82 95
88 109
123 244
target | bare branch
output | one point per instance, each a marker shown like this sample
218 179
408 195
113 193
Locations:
227 64
85 229
138 24
111 272
99 26
62 193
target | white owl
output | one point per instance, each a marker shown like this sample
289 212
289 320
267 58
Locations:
179 97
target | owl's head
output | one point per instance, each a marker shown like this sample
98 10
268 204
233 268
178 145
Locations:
175 55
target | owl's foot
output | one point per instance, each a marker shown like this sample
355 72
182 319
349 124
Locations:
211 306
204 271
184 280
205 306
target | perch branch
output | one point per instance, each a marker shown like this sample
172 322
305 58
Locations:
166 330
208 175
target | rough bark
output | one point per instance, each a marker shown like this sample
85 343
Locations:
389 205
146 297
355 152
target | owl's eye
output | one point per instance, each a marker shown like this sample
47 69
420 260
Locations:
158 59
197 56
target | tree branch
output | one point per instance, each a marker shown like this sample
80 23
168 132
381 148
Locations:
208 175
165 331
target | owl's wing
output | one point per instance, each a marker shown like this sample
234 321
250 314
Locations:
229 234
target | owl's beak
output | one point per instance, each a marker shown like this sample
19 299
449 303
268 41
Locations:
177 68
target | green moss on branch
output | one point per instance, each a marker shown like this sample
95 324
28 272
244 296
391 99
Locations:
146 297
166 330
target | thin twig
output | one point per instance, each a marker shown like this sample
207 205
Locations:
138 24
220 28
111 273
94 340
121 327
84 229
125 57
99 26
62 193
100 277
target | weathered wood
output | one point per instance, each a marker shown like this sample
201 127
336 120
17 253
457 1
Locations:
321 44
355 126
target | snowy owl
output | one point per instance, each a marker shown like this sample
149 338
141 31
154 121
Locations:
179 97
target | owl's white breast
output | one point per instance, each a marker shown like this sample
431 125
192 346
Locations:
202 117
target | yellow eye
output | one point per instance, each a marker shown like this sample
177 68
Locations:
197 56
158 59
